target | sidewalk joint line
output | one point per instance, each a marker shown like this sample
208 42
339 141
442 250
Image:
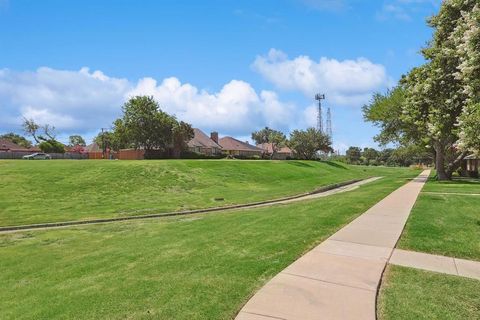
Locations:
263 315
329 282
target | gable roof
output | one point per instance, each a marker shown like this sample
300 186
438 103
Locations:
268 148
8 145
472 157
229 143
93 147
200 139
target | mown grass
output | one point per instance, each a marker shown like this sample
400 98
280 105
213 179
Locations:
445 224
197 267
417 294
457 185
63 190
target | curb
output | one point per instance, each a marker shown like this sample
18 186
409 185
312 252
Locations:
177 213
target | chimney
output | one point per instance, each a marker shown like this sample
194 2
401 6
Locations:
214 136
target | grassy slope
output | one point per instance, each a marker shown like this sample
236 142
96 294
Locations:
417 294
200 267
48 191
445 224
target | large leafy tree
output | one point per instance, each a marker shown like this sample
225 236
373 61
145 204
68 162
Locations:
17 139
273 137
370 155
435 105
353 155
76 140
44 135
144 125
307 143
182 132
467 35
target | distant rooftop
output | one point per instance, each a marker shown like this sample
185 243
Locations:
229 143
202 140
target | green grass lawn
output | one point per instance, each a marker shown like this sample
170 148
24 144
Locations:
63 190
457 185
417 294
196 267
444 224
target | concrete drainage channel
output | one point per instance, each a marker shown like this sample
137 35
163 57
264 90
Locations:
323 191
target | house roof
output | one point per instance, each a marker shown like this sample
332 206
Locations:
9 145
472 157
268 148
93 147
229 143
200 139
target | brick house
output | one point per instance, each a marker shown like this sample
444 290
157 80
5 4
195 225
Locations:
203 144
282 154
234 147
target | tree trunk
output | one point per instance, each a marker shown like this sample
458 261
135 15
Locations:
440 162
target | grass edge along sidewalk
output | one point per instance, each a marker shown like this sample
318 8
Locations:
445 224
408 293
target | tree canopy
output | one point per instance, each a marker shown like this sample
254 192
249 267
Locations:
44 135
144 125
307 143
17 139
274 137
76 140
435 106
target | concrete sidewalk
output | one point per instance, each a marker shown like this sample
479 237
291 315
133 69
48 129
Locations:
436 263
339 278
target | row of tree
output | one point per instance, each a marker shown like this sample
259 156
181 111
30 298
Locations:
305 144
401 157
144 125
436 107
44 136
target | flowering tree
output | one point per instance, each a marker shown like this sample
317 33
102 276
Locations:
436 105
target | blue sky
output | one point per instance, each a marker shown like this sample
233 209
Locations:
231 66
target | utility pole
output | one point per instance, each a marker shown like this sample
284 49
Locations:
319 97
104 144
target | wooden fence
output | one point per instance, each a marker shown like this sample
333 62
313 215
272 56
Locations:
20 154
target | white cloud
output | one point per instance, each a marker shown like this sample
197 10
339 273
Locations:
348 82
84 101
236 108
405 9
77 101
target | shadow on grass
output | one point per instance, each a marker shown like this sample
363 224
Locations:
335 164
299 163
456 181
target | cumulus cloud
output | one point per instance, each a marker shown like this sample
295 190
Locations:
348 82
236 108
70 100
84 101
